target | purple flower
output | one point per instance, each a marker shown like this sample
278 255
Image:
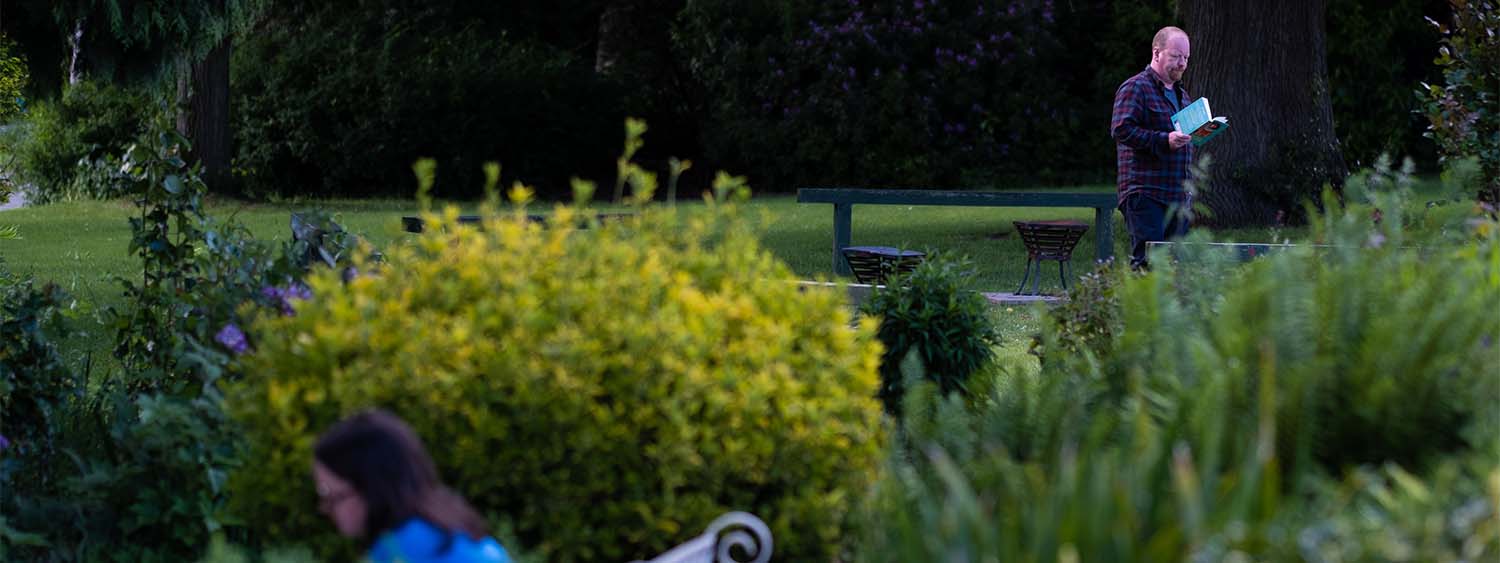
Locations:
233 338
299 292
4 443
283 297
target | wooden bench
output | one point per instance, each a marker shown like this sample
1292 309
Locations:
716 545
843 200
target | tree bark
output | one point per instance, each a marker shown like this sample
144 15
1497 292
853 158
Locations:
1263 65
75 52
206 120
614 34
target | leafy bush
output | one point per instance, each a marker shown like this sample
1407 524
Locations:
1464 113
1088 320
1226 410
35 383
1372 66
195 271
1389 514
36 390
930 313
610 390
1116 487
150 446
60 141
339 98
13 78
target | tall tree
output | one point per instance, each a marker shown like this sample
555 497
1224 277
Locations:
1263 64
203 90
159 40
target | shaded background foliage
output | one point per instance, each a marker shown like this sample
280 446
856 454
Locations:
346 104
336 97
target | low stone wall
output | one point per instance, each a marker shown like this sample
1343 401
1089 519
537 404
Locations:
858 292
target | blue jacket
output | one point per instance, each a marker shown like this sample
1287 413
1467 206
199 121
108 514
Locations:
416 541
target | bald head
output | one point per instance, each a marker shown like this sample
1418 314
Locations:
1166 34
1169 54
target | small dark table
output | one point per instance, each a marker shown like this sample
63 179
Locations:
1048 240
874 264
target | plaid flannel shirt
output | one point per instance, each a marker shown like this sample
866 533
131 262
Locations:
1142 119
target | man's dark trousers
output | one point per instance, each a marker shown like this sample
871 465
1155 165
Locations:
1149 220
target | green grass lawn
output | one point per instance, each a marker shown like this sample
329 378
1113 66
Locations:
82 244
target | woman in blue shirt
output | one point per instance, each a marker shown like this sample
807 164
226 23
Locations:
377 483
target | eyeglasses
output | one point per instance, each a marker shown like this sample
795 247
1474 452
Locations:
1175 56
328 501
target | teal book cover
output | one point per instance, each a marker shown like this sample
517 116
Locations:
1198 120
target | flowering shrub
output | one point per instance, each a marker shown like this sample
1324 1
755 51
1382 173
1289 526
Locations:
1465 112
150 445
908 92
610 390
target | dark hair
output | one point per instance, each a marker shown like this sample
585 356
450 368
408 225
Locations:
385 462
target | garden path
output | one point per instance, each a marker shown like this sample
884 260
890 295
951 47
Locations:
17 200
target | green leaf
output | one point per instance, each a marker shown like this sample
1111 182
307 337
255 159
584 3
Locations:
173 184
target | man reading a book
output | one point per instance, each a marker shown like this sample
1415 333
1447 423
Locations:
1152 155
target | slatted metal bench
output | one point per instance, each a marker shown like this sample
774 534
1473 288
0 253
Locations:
1048 240
844 199
875 264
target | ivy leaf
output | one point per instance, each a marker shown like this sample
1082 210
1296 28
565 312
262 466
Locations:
173 184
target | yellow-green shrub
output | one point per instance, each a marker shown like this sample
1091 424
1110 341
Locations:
609 389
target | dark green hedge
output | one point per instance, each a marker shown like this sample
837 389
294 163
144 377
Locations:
341 98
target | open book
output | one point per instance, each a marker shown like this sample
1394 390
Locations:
1198 121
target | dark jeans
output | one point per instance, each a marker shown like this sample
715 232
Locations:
1149 220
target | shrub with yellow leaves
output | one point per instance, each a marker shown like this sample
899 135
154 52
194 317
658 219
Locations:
608 389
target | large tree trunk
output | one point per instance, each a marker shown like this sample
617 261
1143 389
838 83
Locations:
206 120
1263 65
